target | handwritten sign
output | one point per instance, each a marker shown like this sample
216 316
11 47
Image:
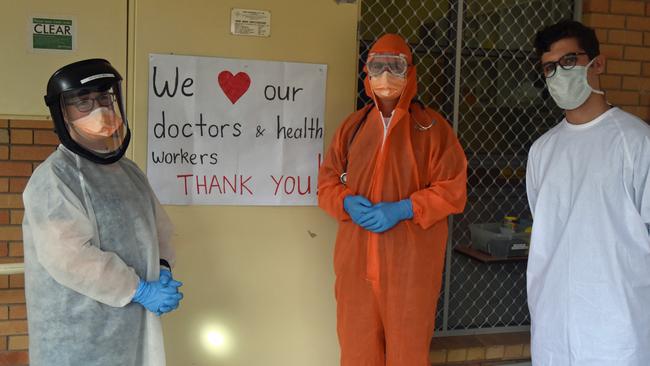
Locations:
234 132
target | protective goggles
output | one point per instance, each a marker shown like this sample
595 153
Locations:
395 64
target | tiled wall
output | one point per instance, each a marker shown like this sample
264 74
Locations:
23 145
623 29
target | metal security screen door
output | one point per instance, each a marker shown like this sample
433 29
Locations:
476 66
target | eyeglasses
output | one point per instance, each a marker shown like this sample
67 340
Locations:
86 103
395 64
567 62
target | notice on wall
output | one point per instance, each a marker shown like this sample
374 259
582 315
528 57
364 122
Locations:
234 132
247 22
50 33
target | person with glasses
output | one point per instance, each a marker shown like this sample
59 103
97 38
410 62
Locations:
97 242
588 184
392 175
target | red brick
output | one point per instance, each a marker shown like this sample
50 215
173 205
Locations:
4 282
17 185
43 124
11 233
17 312
633 109
601 34
641 112
17 281
647 9
18 342
637 53
638 23
604 21
12 169
9 260
31 153
8 200
644 99
4 312
16 249
625 37
14 358
623 67
4 152
4 185
623 97
13 327
4 217
4 249
627 7
12 297
609 50
632 83
640 84
16 217
4 123
23 137
595 6
646 69
43 137
4 136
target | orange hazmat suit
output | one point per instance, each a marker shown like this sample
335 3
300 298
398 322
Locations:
387 284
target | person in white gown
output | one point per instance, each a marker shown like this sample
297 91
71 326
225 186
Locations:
98 251
588 184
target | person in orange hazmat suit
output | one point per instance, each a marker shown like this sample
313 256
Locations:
392 175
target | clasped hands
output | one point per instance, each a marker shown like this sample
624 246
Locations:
160 296
380 217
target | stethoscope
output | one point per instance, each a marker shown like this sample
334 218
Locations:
343 177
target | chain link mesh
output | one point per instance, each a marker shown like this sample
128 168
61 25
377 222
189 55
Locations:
502 108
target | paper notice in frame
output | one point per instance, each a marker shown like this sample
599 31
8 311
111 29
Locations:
247 22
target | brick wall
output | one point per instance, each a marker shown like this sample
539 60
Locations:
623 29
23 145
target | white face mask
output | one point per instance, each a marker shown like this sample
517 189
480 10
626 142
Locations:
569 88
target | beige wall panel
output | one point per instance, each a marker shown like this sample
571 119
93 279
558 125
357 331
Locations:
260 276
101 32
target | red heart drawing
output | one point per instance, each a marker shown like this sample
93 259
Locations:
234 86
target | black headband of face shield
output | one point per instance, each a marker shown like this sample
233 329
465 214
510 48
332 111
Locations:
79 78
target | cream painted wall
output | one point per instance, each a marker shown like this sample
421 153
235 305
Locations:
24 74
255 274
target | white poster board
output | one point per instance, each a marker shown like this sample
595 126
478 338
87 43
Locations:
234 132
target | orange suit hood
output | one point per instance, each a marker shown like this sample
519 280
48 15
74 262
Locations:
396 45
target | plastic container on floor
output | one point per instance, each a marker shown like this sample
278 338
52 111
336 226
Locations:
491 239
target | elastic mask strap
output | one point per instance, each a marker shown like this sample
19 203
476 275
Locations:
587 81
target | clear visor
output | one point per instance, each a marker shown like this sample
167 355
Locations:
395 64
94 118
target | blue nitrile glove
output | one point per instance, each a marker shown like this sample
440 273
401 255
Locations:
356 206
167 280
154 295
385 215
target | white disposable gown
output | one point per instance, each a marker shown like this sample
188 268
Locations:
589 264
90 232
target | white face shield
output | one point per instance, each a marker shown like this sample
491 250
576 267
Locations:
94 119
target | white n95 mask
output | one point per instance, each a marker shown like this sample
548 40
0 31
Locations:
569 88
